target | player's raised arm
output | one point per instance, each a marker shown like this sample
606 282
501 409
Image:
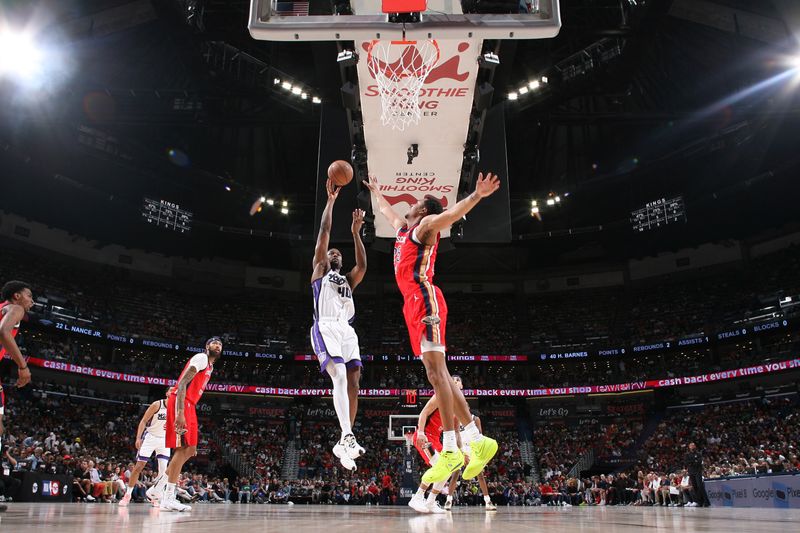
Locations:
431 225
386 210
431 406
355 276
14 315
150 413
324 237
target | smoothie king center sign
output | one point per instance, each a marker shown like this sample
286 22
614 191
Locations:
445 102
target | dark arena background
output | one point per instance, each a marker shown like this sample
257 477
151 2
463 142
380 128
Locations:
630 289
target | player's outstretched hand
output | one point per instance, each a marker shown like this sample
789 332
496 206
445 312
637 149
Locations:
371 184
487 186
358 221
422 439
333 190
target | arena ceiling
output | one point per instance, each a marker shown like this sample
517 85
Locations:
155 99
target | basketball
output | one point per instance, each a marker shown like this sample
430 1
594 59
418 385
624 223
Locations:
340 172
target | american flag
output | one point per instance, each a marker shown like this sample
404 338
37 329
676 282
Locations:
291 9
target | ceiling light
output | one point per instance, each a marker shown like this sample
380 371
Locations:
296 90
285 203
276 81
286 85
558 199
262 199
534 210
550 201
523 90
534 84
544 79
534 203
513 96
304 96
270 201
316 100
284 211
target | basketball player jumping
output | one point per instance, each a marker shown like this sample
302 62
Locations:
467 453
151 438
425 313
181 427
428 443
17 300
334 340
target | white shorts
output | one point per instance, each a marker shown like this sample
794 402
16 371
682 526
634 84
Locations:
335 341
153 444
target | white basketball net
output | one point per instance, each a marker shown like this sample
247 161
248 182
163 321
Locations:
400 69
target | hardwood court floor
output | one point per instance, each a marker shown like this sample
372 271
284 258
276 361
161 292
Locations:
99 518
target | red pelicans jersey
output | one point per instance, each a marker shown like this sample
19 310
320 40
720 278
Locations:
433 428
198 384
413 262
13 331
424 307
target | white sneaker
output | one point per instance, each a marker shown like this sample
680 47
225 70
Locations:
433 507
341 452
491 506
153 493
125 500
354 449
418 504
448 505
172 504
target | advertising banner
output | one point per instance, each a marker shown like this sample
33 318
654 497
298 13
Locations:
773 491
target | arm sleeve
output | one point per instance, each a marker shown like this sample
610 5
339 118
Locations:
199 362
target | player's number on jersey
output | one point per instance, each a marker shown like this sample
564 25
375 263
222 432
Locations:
344 292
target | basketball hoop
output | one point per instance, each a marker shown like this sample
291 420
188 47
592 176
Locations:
400 68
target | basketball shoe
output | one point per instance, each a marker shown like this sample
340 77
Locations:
419 504
125 500
483 450
434 508
354 449
340 451
449 462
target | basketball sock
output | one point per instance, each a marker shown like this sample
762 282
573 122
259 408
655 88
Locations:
128 490
487 499
470 433
162 466
341 401
432 496
420 493
449 497
449 441
161 483
438 486
169 492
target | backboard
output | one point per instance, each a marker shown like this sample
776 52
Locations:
310 20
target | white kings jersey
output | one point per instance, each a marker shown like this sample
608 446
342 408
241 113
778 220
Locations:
158 424
333 298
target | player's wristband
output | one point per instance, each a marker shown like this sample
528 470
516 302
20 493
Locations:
22 367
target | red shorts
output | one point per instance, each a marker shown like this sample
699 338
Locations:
436 445
425 312
173 440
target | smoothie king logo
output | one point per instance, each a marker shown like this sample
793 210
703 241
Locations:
431 96
423 184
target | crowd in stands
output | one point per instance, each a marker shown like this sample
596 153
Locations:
754 437
665 308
